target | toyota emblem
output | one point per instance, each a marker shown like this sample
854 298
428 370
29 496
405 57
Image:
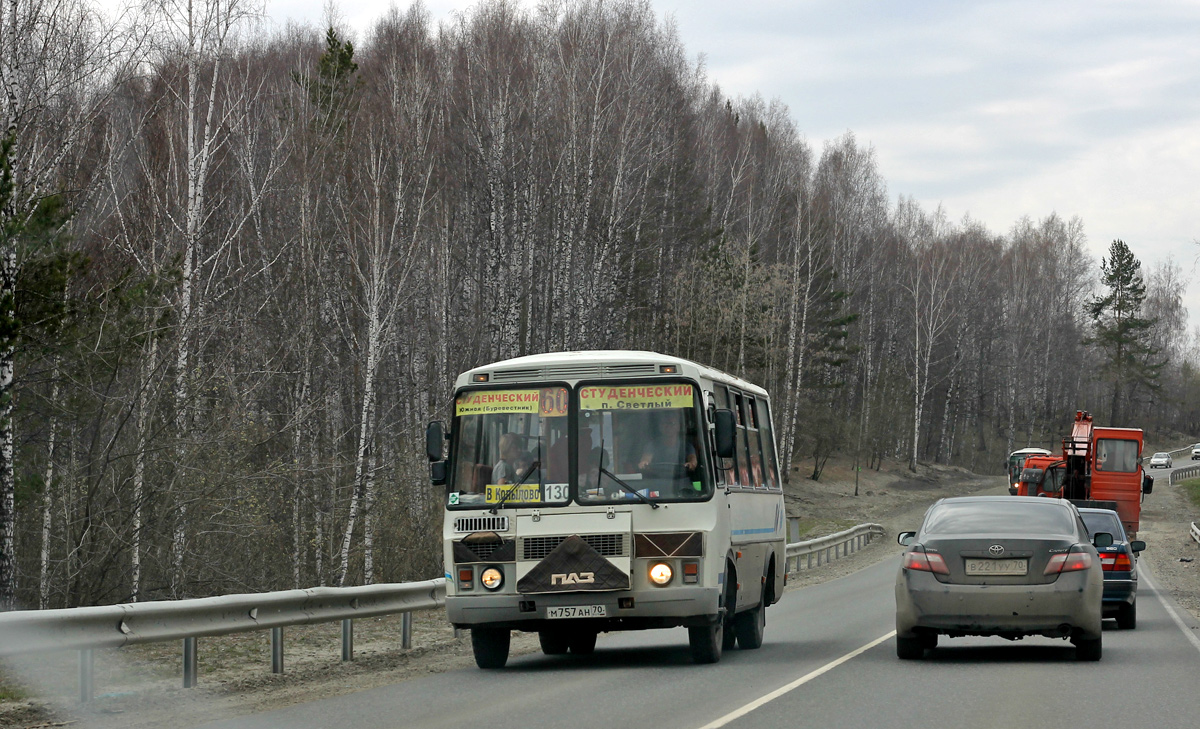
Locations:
996 550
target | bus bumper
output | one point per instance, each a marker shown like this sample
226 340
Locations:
660 608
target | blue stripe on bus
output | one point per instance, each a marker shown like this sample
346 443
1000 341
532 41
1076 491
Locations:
765 530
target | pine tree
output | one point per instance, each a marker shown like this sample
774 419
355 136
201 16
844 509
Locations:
1119 330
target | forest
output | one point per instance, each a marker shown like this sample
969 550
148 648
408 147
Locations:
241 267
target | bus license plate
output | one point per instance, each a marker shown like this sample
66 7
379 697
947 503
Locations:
577 611
997 566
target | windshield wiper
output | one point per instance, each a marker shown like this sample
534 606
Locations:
627 487
535 466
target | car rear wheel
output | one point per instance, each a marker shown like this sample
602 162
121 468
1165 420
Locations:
1088 649
909 649
490 646
1127 616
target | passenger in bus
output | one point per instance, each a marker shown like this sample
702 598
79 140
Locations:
557 465
508 468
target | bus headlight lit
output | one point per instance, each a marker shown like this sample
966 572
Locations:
661 573
492 578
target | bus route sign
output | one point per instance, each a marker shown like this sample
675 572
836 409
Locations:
636 397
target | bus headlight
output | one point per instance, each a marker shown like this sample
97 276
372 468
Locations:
492 578
661 573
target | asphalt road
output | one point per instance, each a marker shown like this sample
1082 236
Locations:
828 661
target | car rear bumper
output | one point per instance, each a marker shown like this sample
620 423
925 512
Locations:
1071 605
1117 593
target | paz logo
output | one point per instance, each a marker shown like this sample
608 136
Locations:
454 498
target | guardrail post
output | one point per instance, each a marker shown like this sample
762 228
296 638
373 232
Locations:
809 561
406 630
87 665
189 662
276 650
348 639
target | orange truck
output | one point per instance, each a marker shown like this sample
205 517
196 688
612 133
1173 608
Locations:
1099 468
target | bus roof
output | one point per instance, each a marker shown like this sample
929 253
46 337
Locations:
1030 452
607 363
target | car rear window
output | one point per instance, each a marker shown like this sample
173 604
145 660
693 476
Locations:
995 516
1096 522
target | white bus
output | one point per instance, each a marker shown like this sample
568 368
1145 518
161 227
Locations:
1016 463
599 491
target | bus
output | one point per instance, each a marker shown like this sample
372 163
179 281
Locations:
1016 462
589 492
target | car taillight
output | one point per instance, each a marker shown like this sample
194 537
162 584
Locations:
1116 562
1070 562
925 562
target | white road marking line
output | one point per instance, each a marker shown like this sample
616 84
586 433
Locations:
763 700
1188 632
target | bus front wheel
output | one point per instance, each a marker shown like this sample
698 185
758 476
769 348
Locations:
706 642
490 646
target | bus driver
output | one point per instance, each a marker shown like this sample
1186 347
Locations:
665 447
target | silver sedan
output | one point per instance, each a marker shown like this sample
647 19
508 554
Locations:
1160 460
1000 566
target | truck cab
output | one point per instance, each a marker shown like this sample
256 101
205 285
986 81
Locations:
1099 468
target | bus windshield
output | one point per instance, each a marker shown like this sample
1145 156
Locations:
509 448
641 442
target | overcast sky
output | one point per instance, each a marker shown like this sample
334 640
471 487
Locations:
994 109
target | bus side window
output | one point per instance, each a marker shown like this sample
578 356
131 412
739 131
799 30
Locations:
742 458
714 463
752 438
728 468
770 465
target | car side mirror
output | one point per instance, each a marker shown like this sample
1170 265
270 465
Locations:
435 435
1137 545
906 538
1147 483
1100 540
726 430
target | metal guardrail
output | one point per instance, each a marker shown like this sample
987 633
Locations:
828 547
114 626
1182 474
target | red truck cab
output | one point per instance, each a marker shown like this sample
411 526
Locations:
1099 467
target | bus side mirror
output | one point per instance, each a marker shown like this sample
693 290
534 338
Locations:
1100 540
1137 545
437 473
906 538
434 436
726 430
1147 483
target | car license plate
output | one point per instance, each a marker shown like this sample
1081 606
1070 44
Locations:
997 566
577 611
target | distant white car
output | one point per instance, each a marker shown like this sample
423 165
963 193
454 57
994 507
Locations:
1196 452
1161 460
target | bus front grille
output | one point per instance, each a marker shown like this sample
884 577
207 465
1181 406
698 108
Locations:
609 545
468 524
